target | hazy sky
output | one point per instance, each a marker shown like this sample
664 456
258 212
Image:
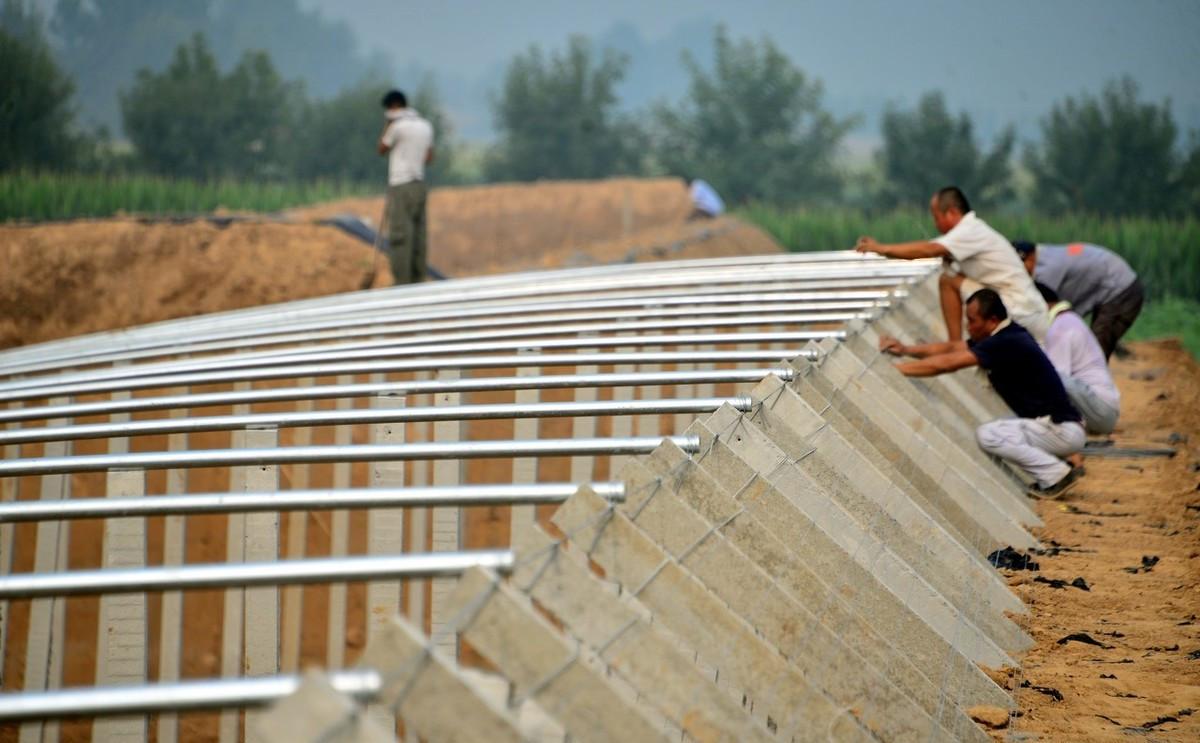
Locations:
1001 61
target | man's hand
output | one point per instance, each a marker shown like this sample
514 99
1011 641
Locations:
868 245
888 344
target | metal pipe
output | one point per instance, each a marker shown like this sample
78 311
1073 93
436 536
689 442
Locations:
181 696
221 575
301 500
521 316
496 411
416 387
508 339
516 286
469 360
359 453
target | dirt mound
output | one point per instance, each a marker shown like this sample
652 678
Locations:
483 229
82 277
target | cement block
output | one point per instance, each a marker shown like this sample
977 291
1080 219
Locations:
718 637
566 680
898 616
890 412
940 558
946 490
830 661
317 712
433 697
622 633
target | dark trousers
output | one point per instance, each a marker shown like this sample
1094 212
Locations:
406 231
1111 319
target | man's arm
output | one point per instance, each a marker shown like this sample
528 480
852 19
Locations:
942 363
384 148
429 155
903 251
888 344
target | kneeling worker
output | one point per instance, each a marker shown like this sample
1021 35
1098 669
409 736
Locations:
1047 428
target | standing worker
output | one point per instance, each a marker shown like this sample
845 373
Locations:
985 259
1094 280
407 140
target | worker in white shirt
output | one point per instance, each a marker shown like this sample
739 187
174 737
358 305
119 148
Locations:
407 140
985 259
1076 354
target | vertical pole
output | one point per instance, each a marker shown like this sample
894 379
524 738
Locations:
9 491
43 641
339 544
447 528
622 425
171 629
297 539
229 730
418 517
261 603
121 645
583 467
524 469
385 535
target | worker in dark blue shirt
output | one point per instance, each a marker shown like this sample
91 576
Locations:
1046 429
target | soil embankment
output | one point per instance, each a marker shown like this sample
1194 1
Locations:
81 277
1120 660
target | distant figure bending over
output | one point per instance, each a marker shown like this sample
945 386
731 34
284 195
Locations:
706 204
985 259
1047 428
1076 354
407 140
1094 280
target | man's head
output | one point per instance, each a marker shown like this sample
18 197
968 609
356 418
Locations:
947 207
394 99
985 312
1028 253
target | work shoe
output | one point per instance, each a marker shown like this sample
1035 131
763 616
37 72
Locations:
1060 488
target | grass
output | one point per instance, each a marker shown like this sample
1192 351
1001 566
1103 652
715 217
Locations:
45 197
1164 252
1170 317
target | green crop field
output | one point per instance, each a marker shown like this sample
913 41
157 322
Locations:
45 197
1164 252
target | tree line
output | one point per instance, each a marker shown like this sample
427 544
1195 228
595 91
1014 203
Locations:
751 123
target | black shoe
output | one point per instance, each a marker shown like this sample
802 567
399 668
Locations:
1060 488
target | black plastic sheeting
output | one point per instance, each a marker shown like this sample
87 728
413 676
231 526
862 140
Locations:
359 229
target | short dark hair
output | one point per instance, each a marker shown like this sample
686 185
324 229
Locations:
989 303
395 98
952 197
1023 247
1047 293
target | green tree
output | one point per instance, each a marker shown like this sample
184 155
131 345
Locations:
753 126
556 116
1109 154
36 119
927 148
191 121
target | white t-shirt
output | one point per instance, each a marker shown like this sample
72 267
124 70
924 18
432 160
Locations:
410 138
705 198
987 257
1075 352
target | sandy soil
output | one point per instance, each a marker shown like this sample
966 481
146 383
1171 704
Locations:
515 224
1143 681
82 277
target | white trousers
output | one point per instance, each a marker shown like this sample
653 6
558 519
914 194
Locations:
1036 445
1099 415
